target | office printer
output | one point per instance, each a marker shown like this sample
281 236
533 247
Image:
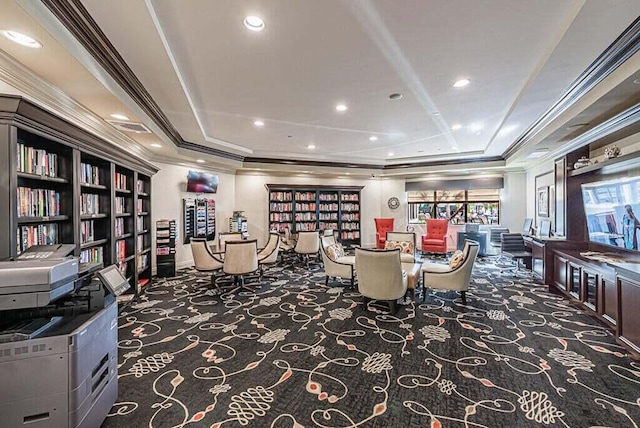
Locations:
58 342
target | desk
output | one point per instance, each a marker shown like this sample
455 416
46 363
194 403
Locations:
481 237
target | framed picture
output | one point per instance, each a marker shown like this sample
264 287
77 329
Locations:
543 201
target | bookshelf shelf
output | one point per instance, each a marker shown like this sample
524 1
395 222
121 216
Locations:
123 214
123 191
93 216
148 250
46 219
94 243
94 186
125 236
38 177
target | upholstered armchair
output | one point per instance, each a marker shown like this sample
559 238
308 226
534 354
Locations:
308 243
383 225
240 260
336 263
268 256
380 276
435 240
204 260
225 237
453 276
406 242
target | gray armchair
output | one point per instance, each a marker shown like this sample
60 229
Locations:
380 276
335 265
406 242
444 277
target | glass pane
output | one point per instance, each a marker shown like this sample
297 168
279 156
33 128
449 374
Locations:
419 212
483 212
452 211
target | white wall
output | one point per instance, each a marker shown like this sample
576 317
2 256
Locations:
252 198
514 201
545 171
168 189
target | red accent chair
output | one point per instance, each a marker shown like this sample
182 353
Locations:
435 240
383 225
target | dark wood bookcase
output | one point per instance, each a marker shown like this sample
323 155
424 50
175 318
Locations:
300 208
65 185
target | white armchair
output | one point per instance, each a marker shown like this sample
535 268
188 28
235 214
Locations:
446 277
380 276
308 243
268 256
405 242
336 264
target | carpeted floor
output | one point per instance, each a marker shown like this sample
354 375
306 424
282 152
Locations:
299 354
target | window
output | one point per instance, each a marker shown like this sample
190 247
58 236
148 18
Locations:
459 206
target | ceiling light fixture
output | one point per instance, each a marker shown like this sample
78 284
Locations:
341 107
461 83
456 127
395 96
119 116
476 127
373 138
254 23
21 39
156 145
436 113
311 146
390 154
200 160
258 123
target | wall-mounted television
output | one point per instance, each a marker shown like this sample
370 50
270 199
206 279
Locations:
202 182
612 208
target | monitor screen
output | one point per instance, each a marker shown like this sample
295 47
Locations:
202 182
113 279
526 227
611 208
545 228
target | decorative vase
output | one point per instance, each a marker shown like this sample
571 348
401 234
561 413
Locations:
582 162
612 152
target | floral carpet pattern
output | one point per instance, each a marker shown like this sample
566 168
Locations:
299 354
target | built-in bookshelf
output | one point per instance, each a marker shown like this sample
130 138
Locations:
65 185
302 208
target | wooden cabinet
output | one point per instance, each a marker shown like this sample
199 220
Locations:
537 258
609 300
628 305
560 272
590 282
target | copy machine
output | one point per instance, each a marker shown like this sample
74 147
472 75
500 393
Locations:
58 342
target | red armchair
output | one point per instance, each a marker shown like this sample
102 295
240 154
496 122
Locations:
383 225
435 240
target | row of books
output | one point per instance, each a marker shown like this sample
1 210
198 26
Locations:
328 207
140 206
38 202
311 216
121 181
92 255
37 161
140 223
305 226
328 216
350 207
119 227
305 196
121 250
280 206
324 226
280 196
280 216
89 204
87 231
140 187
89 174
306 207
143 262
280 227
350 197
350 217
120 204
141 243
351 226
42 234
350 235
328 197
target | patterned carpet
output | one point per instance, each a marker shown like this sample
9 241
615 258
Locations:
298 354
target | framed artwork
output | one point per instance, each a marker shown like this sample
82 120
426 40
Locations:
543 201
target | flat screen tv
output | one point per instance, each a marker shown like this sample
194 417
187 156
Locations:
611 208
202 182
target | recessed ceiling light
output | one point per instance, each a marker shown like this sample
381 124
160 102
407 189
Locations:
461 83
258 123
21 39
476 127
200 160
420 151
395 96
311 146
254 23
341 107
436 113
347 173
373 138
156 145
119 116
390 154
456 127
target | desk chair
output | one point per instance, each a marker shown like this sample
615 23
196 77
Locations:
380 276
308 244
268 256
495 240
513 246
206 261
225 237
240 260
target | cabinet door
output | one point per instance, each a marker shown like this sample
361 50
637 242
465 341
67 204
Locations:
574 276
628 317
590 289
560 273
608 300
537 259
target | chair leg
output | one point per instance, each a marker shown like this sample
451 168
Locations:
464 297
352 280
392 307
326 281
365 302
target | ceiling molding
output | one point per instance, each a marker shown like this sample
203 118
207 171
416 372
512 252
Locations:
73 15
623 48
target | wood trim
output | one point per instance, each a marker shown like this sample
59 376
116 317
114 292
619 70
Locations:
22 113
623 48
271 187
